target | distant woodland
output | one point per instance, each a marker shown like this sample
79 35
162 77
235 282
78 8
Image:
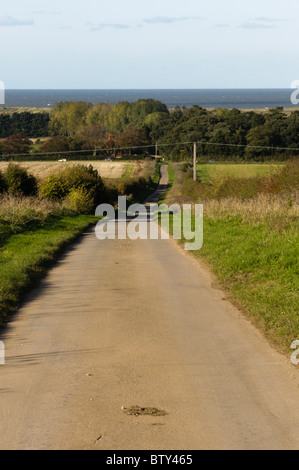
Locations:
137 128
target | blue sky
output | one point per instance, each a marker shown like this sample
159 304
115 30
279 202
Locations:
97 44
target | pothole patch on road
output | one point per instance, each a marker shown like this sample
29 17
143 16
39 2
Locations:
144 411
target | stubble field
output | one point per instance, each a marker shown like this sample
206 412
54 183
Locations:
111 170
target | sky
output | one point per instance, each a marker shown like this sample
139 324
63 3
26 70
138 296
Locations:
157 44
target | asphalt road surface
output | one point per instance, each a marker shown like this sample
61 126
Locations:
122 323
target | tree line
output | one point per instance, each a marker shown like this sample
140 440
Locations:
232 134
222 134
28 124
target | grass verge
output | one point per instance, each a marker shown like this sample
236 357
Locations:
252 247
25 257
258 267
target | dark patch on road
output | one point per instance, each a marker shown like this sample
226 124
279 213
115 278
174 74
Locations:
139 411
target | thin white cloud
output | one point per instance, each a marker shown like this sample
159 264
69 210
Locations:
266 19
256 25
6 21
170 19
147 21
262 22
101 26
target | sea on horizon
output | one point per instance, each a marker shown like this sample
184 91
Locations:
212 98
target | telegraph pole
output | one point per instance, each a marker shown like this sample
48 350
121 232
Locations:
194 161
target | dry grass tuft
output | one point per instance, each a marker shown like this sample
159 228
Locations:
278 211
16 213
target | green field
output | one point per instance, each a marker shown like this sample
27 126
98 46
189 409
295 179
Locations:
208 171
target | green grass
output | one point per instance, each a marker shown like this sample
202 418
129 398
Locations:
129 172
209 172
157 173
171 179
171 175
259 267
25 257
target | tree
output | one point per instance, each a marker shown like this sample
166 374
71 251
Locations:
259 143
138 111
133 137
5 126
93 137
99 114
291 131
67 118
118 118
30 124
56 144
60 143
26 123
16 145
155 119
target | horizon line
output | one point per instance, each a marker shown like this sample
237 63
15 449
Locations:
144 89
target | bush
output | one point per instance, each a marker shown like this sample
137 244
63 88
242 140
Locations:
54 188
121 189
16 144
84 179
55 144
18 182
285 180
80 201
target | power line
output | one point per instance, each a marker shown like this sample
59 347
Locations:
114 149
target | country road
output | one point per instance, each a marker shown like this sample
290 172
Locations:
121 323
